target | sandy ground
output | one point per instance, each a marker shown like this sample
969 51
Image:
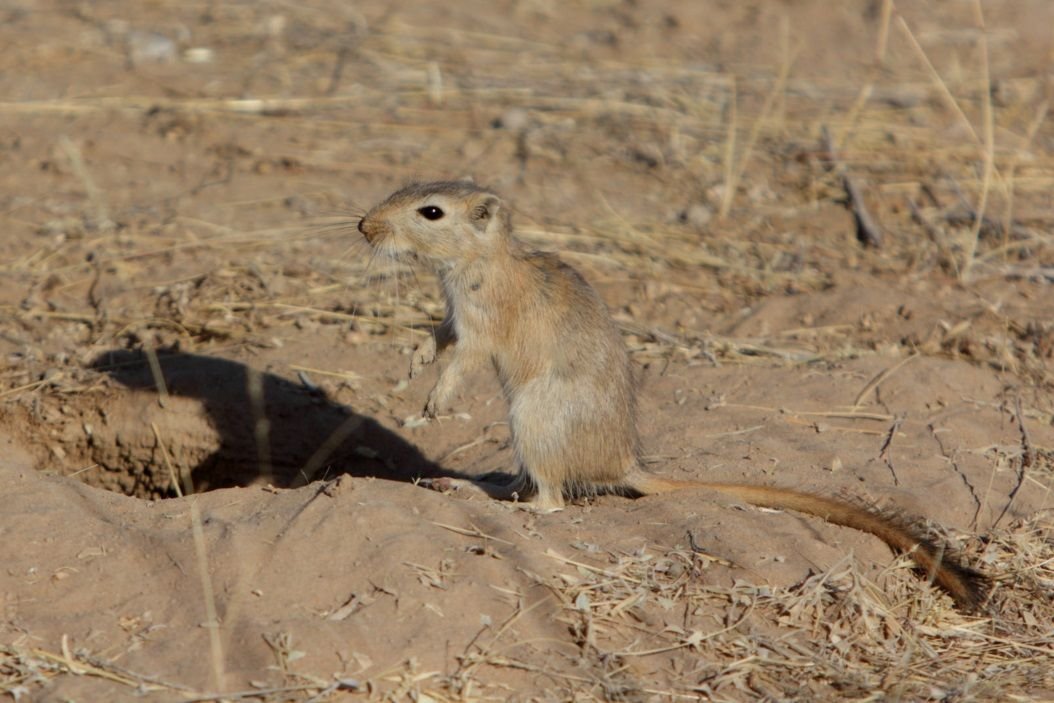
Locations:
209 445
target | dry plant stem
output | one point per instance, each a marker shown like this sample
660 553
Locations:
26 387
970 216
168 462
880 378
159 378
326 449
257 693
977 501
1026 460
470 662
884 453
946 94
261 425
212 622
867 230
989 144
142 679
1027 453
103 670
700 552
730 148
868 88
1026 141
844 638
847 415
474 532
936 235
73 153
257 107
755 130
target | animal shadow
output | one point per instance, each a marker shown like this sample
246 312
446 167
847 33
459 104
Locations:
268 427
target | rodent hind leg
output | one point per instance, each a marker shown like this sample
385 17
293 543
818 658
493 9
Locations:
530 491
548 499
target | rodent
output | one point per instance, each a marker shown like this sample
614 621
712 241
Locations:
564 369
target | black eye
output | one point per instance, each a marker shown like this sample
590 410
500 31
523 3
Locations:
430 212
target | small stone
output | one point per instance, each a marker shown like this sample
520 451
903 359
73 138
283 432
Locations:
150 47
514 119
199 54
697 216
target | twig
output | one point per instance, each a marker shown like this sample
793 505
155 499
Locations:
551 553
474 532
168 462
212 621
867 230
261 423
1027 455
73 153
1032 273
882 376
936 236
883 453
256 693
989 144
967 215
962 476
732 182
159 377
946 94
80 668
104 665
325 450
696 549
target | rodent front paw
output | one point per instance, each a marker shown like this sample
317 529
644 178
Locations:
424 355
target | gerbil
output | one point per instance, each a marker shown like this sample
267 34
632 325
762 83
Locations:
564 369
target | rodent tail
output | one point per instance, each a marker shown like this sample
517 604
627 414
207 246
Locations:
967 587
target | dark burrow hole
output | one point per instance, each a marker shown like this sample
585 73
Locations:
216 424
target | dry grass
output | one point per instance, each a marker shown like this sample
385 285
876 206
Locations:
965 204
834 636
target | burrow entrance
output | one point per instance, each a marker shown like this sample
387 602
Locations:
211 423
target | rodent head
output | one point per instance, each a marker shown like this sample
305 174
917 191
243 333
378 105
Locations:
438 222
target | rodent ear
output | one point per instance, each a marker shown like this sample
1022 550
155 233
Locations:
484 212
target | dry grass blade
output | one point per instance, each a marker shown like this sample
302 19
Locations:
879 378
736 172
21 666
212 621
175 225
474 532
988 123
829 626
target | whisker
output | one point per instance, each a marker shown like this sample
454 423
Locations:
350 227
343 210
346 254
398 301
